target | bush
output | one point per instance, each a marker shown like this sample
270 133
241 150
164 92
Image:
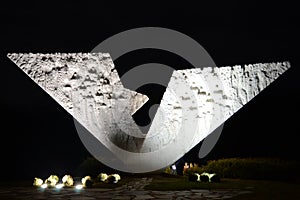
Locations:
88 183
251 168
215 178
194 168
102 177
168 170
204 178
52 180
37 182
111 179
117 177
193 177
68 180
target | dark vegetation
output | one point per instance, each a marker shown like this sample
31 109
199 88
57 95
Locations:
251 168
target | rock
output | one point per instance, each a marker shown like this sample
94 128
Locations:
52 180
37 182
102 177
112 179
68 180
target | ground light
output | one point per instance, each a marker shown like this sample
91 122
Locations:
44 186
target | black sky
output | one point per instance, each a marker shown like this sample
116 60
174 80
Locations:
37 135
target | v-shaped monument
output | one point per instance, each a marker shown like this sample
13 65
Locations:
195 103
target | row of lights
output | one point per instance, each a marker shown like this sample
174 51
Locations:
53 181
59 186
67 180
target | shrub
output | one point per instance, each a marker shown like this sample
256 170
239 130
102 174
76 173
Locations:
117 176
215 178
251 168
52 180
111 179
102 177
204 178
37 182
68 180
193 177
87 180
168 170
193 168
88 183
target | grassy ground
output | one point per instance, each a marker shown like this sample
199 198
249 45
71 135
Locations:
260 189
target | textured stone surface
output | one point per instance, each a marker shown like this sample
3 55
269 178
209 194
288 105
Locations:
195 103
87 85
88 75
220 92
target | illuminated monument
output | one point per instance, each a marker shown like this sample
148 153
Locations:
195 103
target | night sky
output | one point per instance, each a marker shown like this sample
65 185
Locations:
39 136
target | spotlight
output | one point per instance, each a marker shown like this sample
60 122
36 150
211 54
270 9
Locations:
44 186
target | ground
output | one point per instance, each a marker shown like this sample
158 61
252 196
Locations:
160 187
249 189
